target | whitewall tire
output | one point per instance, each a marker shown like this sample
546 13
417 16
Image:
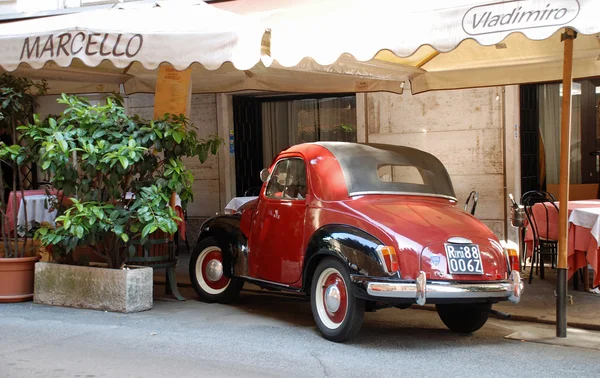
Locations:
208 276
337 313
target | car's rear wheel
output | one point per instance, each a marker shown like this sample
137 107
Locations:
337 313
464 318
207 276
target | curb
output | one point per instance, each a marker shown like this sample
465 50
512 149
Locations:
528 319
511 317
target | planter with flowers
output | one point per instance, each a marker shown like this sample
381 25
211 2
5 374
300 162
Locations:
18 253
116 175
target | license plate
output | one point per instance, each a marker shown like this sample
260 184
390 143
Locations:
463 258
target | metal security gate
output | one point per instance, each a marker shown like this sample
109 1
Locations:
530 166
247 126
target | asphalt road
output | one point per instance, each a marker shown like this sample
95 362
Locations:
264 335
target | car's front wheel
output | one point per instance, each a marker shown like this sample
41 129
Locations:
207 276
337 313
464 318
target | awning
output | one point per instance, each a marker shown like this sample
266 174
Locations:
449 44
148 35
97 51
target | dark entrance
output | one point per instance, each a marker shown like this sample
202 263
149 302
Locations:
285 120
530 177
247 128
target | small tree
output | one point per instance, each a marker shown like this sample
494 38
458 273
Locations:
17 101
96 156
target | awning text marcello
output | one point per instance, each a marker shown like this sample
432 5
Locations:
70 44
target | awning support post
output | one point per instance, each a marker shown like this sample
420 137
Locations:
565 158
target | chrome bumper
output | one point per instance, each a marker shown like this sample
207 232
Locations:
421 290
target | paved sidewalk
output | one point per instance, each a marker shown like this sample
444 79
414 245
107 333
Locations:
266 335
538 303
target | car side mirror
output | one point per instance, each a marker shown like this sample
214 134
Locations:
264 175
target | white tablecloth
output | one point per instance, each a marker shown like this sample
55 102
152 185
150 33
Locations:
37 207
237 202
588 217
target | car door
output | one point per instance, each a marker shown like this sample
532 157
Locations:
278 229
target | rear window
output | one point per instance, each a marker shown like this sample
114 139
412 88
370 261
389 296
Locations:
400 173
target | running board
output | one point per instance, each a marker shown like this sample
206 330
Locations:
270 285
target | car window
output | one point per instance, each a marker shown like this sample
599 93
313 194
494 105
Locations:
288 180
400 173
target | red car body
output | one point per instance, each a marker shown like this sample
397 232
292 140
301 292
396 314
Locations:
278 242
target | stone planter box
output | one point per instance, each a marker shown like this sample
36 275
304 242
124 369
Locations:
93 288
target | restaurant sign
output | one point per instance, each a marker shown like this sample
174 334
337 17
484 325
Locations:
77 44
518 15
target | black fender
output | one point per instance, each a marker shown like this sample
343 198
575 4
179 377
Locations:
234 244
352 245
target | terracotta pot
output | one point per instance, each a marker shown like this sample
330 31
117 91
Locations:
16 279
34 247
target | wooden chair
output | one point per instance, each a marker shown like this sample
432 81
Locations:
158 253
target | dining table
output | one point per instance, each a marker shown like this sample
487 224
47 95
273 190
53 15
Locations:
37 209
236 202
583 248
11 210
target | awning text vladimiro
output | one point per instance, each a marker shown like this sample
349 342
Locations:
514 15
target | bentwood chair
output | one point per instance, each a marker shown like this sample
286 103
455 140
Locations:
542 245
253 191
471 202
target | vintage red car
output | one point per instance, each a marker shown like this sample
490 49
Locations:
354 227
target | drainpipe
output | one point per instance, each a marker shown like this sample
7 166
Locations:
504 184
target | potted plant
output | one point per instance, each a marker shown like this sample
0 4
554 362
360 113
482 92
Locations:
116 176
17 255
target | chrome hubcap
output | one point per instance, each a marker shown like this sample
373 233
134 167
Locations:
214 270
333 298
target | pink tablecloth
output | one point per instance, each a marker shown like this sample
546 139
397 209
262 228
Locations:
11 211
583 247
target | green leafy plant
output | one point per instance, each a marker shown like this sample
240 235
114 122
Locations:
17 100
115 173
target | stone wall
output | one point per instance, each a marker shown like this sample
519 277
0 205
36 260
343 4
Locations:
463 128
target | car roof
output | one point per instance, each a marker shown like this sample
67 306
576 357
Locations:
344 169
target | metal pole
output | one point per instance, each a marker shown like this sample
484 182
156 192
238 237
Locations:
565 157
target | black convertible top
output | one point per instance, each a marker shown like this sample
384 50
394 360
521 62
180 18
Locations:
360 163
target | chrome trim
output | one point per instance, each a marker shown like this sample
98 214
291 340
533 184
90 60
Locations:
265 281
459 240
420 290
214 270
241 262
506 257
518 286
421 286
353 194
333 298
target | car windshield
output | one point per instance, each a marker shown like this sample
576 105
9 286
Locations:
387 169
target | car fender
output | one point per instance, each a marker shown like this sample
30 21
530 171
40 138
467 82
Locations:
357 248
233 242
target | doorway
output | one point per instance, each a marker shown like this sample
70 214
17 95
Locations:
540 137
266 125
